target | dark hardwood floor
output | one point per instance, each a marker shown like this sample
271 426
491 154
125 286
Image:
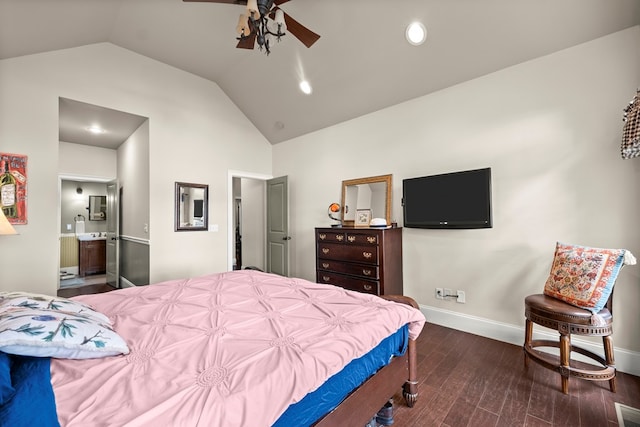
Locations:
84 290
468 380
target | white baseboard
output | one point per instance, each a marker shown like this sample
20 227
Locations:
627 361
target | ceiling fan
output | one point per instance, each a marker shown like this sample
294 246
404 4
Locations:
263 21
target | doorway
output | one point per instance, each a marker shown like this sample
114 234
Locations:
76 194
247 221
252 201
96 144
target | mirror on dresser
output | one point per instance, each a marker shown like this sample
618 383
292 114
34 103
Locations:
371 194
191 206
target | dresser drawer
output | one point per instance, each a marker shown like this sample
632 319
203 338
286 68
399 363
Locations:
350 238
330 236
361 239
347 282
363 270
363 254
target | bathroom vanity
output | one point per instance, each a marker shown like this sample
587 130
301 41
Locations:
92 256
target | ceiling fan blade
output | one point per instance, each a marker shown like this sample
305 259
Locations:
279 2
248 42
302 33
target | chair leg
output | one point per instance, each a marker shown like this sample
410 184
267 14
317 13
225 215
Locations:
607 341
528 335
565 354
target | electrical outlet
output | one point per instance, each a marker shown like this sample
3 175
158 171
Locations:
448 293
439 293
461 297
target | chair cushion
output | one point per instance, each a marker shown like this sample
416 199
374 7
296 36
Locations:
555 309
584 276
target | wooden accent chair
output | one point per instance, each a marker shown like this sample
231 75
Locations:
569 320
577 300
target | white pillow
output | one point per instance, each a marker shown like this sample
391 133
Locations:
48 302
60 334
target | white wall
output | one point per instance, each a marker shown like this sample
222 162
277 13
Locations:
73 204
195 135
86 161
253 223
550 129
133 179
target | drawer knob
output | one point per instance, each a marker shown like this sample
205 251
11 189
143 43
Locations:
366 272
325 265
339 237
325 250
371 239
351 238
368 287
367 255
322 236
325 278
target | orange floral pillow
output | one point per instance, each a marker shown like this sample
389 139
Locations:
584 276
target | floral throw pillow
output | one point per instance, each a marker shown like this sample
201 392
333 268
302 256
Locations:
583 276
47 302
48 333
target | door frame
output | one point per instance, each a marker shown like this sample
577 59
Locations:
231 174
71 177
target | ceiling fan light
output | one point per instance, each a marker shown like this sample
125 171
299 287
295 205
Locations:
279 19
243 25
252 9
416 33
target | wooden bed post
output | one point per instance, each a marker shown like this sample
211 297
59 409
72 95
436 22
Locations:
363 403
410 388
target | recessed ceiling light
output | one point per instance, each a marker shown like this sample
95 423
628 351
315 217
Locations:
416 33
96 130
305 87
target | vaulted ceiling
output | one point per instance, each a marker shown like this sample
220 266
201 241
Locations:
362 62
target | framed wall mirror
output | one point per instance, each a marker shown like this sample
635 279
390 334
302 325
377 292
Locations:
97 208
192 206
369 195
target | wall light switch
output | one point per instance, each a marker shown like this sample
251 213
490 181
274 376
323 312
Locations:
68 227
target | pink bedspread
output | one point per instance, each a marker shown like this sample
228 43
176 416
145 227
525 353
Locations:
229 349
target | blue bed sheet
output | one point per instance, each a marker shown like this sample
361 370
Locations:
323 400
33 403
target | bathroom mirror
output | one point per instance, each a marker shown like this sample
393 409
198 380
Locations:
366 197
97 208
192 205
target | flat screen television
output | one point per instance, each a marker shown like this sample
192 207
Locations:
451 200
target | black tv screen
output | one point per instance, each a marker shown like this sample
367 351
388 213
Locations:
450 200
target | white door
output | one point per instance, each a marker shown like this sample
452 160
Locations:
113 216
278 226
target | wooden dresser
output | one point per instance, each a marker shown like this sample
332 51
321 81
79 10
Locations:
361 259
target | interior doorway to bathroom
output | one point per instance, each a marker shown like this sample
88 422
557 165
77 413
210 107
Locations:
83 228
98 145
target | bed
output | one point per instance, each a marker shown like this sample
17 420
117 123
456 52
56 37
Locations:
242 348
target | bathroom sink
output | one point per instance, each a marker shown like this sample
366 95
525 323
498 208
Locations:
91 236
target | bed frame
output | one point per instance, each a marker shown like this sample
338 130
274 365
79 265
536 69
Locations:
364 402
